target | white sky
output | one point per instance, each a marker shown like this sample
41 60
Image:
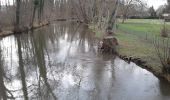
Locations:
3 2
155 3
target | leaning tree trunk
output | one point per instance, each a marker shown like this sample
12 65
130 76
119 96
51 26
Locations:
112 19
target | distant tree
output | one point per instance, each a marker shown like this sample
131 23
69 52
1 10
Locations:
127 5
152 12
168 1
167 10
161 10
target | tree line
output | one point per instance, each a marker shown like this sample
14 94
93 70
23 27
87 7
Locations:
24 13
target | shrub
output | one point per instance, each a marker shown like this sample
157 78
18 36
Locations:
164 31
162 47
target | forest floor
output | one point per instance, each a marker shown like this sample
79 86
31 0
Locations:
136 38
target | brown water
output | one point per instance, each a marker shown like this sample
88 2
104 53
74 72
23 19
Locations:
61 62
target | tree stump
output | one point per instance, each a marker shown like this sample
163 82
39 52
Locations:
108 44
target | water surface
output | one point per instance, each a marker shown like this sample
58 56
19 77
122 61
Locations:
60 61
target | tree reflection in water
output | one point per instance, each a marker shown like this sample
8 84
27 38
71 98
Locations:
60 61
3 93
21 68
39 70
39 42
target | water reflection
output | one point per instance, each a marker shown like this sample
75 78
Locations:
60 62
21 68
39 49
3 94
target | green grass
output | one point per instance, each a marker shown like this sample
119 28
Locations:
148 21
131 46
142 27
136 37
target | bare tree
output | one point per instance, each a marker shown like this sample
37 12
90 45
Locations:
113 16
162 48
152 12
168 1
127 5
17 26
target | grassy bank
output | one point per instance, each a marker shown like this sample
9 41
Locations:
136 40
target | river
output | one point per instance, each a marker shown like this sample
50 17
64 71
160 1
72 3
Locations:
61 62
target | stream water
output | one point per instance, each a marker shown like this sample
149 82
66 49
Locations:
60 62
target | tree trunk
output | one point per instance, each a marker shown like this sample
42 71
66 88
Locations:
112 19
18 13
109 42
0 28
123 19
108 45
33 16
17 26
41 8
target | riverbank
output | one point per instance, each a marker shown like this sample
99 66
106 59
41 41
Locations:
10 31
23 29
135 39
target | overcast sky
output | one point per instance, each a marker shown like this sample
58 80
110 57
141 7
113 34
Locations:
155 3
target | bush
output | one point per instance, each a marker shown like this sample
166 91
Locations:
141 17
162 47
164 31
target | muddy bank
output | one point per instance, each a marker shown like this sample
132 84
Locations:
23 29
142 63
